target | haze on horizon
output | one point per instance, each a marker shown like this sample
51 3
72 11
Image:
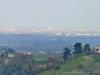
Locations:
69 14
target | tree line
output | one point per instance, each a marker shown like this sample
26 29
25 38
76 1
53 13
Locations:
78 49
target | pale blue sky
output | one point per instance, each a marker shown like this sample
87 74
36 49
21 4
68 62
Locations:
71 14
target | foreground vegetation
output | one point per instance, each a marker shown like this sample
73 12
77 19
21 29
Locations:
16 63
81 60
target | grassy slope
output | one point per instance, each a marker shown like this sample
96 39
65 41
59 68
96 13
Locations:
80 64
40 59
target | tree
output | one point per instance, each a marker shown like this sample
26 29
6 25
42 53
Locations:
78 48
66 54
87 49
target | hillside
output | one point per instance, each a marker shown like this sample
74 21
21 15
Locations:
83 65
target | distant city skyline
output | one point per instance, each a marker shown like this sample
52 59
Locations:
58 30
71 15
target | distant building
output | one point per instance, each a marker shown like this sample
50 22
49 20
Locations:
97 49
22 52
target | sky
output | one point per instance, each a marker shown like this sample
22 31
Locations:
69 14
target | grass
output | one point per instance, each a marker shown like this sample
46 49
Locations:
39 62
40 59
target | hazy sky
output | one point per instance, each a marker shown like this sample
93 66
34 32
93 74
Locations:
71 14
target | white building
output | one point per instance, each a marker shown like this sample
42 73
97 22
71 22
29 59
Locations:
97 49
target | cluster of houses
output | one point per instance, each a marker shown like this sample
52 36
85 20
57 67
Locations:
7 54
